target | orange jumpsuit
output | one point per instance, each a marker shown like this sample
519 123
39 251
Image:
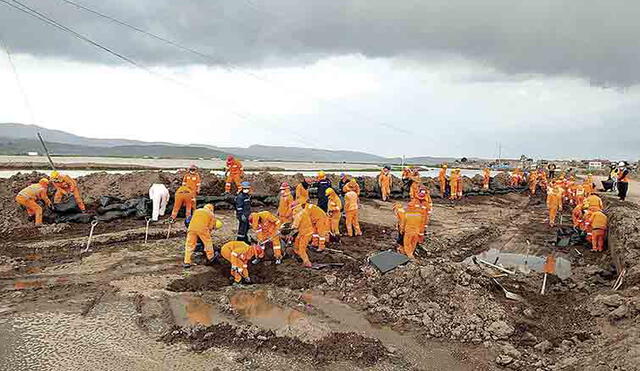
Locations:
454 183
234 175
588 186
579 195
28 198
266 226
302 194
384 180
595 203
64 185
321 226
598 221
351 211
352 186
202 223
401 220
238 253
184 197
554 204
577 216
302 222
442 178
284 206
193 181
486 178
416 185
334 213
412 229
533 182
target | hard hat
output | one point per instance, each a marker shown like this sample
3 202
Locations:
229 158
621 164
245 185
387 167
444 166
55 174
342 175
329 191
44 181
209 207
192 167
422 194
284 185
321 174
218 224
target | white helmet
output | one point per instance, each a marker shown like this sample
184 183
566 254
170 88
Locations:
621 164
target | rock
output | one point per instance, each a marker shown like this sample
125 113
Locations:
427 272
620 313
330 279
543 346
504 360
614 300
500 330
567 362
371 300
510 351
529 313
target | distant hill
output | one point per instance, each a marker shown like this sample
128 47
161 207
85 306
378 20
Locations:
303 154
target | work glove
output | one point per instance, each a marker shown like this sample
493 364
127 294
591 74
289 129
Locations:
246 280
243 218
255 261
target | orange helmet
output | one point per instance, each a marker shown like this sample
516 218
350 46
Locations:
43 182
284 185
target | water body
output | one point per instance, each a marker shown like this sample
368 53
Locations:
557 264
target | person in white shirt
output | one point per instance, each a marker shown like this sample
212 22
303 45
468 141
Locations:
159 194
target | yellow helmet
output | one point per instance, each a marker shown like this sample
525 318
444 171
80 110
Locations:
55 174
444 166
218 224
329 192
209 207
44 181
321 174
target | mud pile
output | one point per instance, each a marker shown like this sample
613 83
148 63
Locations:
624 239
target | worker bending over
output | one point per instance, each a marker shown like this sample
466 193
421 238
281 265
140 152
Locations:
302 224
577 216
322 184
321 226
239 254
486 178
302 192
192 180
598 222
183 198
401 221
351 205
284 204
335 212
243 210
267 227
202 224
442 179
554 204
384 181
593 204
233 174
159 195
29 197
64 186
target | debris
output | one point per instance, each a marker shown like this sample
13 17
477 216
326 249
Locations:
388 260
475 259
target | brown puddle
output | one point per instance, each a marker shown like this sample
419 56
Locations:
256 308
189 310
557 264
22 285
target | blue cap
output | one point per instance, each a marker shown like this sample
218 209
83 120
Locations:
245 184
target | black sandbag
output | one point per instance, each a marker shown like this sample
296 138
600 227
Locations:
81 218
111 215
271 200
107 200
143 208
113 207
224 206
131 203
67 207
129 212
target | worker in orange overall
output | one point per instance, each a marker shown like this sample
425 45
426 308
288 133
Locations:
65 185
577 216
302 192
284 204
554 204
454 183
542 178
533 182
321 226
426 207
598 221
192 180
588 185
183 198
267 227
413 226
352 186
486 178
442 179
579 194
29 197
384 181
416 184
239 254
202 224
351 205
302 223
401 221
233 174
334 212
516 178
593 204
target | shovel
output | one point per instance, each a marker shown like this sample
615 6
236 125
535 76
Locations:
93 225
169 229
146 231
508 294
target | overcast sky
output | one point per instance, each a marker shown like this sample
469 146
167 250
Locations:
546 78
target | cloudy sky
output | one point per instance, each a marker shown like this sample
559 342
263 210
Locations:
546 78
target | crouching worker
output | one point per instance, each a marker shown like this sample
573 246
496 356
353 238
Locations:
266 225
65 185
29 196
303 232
203 222
159 194
238 253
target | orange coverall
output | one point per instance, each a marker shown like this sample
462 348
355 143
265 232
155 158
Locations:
193 181
533 182
302 194
579 195
588 186
595 203
577 215
202 223
334 213
284 206
238 253
28 198
266 226
351 211
416 185
302 222
412 229
321 226
352 186
442 178
234 175
598 223
425 205
401 220
384 180
486 178
554 204
64 185
184 197
454 183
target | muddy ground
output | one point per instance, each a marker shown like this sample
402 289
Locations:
127 304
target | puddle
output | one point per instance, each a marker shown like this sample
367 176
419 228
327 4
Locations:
189 310
23 285
255 307
557 264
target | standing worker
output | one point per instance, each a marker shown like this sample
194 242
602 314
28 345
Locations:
335 212
486 178
322 185
352 185
552 171
238 254
416 184
454 183
192 180
533 182
384 181
202 224
29 196
351 205
425 204
65 185
344 179
412 229
183 198
243 210
233 174
442 179
159 195
554 204
623 181
598 222
302 192
302 223
267 227
284 204
401 220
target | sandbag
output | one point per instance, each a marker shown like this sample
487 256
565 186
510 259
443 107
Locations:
67 207
143 208
107 200
112 207
111 215
81 218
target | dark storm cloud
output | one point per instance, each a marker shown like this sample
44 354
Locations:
597 40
